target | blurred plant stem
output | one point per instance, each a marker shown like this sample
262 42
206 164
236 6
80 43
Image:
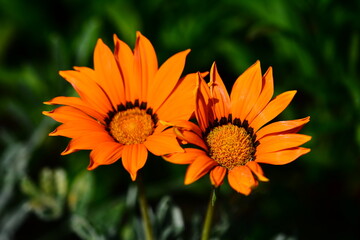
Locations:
209 215
144 209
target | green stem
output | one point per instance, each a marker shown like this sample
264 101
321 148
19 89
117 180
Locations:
209 216
144 209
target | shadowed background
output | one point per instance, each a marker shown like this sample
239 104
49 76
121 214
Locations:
313 47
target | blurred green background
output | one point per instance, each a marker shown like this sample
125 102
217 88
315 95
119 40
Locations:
313 47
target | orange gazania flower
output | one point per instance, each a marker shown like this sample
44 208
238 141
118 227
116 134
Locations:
122 103
231 135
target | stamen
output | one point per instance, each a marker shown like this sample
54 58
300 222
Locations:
230 145
131 126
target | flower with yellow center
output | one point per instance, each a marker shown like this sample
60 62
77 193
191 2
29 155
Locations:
132 126
230 146
121 105
230 133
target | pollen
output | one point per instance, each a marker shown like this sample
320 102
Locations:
131 126
230 145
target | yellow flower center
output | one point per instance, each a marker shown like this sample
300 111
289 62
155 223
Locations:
131 126
230 145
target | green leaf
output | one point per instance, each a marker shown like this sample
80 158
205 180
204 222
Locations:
84 229
81 192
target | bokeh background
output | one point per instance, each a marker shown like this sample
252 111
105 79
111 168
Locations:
313 47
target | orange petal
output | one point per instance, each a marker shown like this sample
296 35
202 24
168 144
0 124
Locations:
282 157
202 165
220 100
166 79
163 143
191 138
203 113
264 97
145 63
273 109
125 60
217 175
79 104
104 154
134 158
282 127
246 91
180 104
89 91
244 175
66 114
77 128
107 74
241 179
257 170
274 143
88 141
186 125
186 157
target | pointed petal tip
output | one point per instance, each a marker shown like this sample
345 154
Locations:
246 193
186 52
67 151
99 46
138 34
91 166
269 71
292 92
99 41
256 65
188 181
133 176
213 65
46 113
263 178
62 73
306 150
53 133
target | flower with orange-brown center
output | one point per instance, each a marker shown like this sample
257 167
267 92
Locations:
230 135
122 103
230 146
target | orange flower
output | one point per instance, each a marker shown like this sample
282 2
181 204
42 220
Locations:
122 103
230 133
